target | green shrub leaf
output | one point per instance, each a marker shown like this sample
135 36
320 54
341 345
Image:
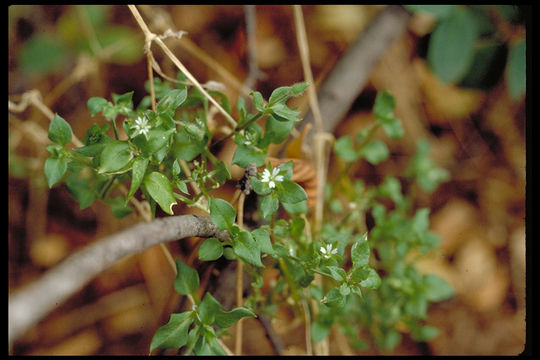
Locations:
222 214
290 192
174 334
137 175
160 189
115 157
60 131
451 47
211 249
54 170
187 279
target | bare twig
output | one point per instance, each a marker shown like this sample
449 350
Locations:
32 303
251 32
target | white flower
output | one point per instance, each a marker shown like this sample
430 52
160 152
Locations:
328 251
141 126
271 178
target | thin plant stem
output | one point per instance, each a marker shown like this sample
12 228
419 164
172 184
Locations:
239 280
321 143
149 36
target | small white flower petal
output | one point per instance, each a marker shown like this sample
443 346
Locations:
279 178
271 184
323 250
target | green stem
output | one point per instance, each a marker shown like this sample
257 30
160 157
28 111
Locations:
115 128
106 188
240 127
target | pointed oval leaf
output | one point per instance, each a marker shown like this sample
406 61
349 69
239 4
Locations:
137 175
115 156
54 170
60 131
187 280
172 335
159 188
222 213
211 249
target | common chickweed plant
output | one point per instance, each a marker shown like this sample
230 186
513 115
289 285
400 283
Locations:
367 282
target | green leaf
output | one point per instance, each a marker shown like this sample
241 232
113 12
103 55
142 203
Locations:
123 99
451 46
334 299
211 249
392 127
127 43
119 207
174 334
185 147
96 104
277 130
417 305
247 249
283 93
208 309
344 148
222 213
187 279
436 288
425 333
375 152
137 175
60 131
81 191
285 114
262 238
160 189
227 319
157 138
390 339
360 252
384 105
290 192
439 11
269 205
172 100
296 208
319 331
515 74
258 101
391 187
334 272
41 55
259 187
54 170
247 154
115 156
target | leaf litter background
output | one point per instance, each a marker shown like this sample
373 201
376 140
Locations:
478 135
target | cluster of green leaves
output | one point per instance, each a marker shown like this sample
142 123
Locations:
363 146
196 329
467 48
149 157
397 238
47 52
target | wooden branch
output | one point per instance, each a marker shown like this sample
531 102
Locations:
30 304
351 74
